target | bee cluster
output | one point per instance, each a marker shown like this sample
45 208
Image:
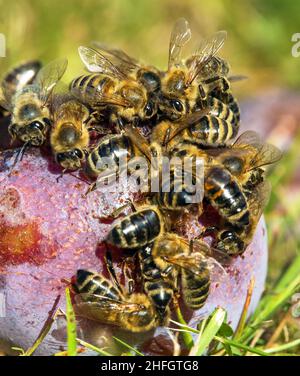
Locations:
139 111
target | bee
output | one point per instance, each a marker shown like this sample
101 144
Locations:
174 257
244 161
114 148
138 228
29 106
69 137
148 76
158 286
106 301
188 85
17 78
114 89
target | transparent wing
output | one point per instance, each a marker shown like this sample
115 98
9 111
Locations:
180 35
96 62
263 153
205 52
105 310
49 75
259 199
118 57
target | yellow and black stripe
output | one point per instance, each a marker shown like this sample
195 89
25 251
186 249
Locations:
196 286
137 229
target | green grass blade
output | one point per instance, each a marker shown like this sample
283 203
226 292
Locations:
284 347
240 346
128 346
92 347
71 326
187 337
209 332
283 290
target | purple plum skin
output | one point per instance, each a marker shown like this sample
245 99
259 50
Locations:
49 230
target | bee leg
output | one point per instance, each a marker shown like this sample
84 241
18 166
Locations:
90 189
18 157
111 270
126 269
61 175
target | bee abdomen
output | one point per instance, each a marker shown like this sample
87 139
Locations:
159 289
93 284
136 230
179 192
196 287
86 85
22 75
226 196
212 130
114 149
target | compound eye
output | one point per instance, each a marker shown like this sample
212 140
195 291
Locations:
60 157
149 109
47 121
37 125
78 153
177 105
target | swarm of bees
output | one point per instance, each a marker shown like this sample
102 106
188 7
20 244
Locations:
137 110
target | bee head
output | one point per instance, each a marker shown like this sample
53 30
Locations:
71 159
34 133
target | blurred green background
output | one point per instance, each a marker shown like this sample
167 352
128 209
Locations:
259 32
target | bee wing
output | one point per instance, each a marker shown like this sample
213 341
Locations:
180 35
49 75
186 122
118 57
105 310
95 97
205 52
259 199
96 62
263 153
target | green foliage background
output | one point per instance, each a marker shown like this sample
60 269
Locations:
259 32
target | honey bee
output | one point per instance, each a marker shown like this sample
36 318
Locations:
234 184
175 256
158 286
16 79
148 76
69 137
29 106
137 229
188 85
244 161
105 301
112 147
114 89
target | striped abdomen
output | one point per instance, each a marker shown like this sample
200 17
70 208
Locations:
86 86
196 286
114 149
92 284
159 289
216 128
179 190
225 195
21 75
136 230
